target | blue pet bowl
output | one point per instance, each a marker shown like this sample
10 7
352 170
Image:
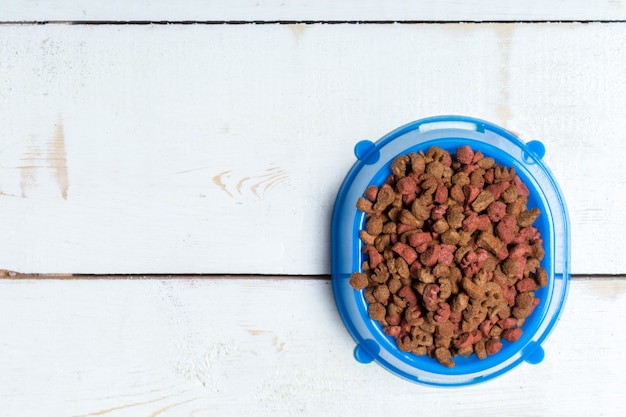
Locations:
372 168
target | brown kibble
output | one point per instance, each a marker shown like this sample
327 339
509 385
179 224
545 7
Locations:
435 168
381 294
488 241
486 163
402 268
358 280
426 276
445 289
509 195
381 242
385 197
510 267
377 311
495 332
460 178
521 313
367 238
374 225
531 265
439 154
456 193
473 290
541 276
460 302
516 207
406 217
441 271
503 174
527 218
364 205
394 285
538 251
444 357
479 349
450 237
419 211
455 219
417 163
398 166
440 226
476 178
482 201
525 299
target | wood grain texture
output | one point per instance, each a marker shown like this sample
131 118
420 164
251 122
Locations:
322 10
270 347
220 149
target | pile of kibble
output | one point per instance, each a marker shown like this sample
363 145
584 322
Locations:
452 258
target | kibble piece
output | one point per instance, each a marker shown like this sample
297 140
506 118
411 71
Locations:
377 311
358 280
542 277
398 166
374 225
493 346
417 163
527 218
444 357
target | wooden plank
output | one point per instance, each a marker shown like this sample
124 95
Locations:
220 149
319 10
268 347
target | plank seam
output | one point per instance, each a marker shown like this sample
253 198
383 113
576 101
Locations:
294 22
17 276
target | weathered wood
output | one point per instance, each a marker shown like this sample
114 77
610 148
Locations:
319 10
203 347
220 149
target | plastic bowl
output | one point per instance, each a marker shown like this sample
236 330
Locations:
372 167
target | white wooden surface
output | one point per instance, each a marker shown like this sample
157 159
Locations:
277 347
220 148
311 10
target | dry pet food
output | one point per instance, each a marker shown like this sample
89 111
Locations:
452 257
